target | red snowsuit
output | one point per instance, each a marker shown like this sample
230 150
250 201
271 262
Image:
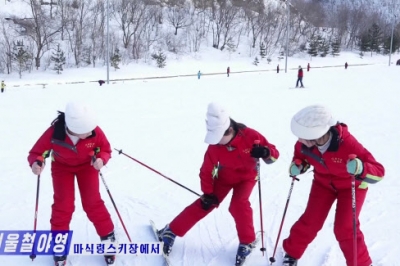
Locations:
68 161
232 168
333 182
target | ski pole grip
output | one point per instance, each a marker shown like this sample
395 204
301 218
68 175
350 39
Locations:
352 156
40 160
297 162
92 155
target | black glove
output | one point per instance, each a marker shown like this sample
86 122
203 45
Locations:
208 200
259 152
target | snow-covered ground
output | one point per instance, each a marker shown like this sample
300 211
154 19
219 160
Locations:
161 122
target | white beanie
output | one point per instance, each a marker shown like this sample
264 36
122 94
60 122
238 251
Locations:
217 122
79 118
312 122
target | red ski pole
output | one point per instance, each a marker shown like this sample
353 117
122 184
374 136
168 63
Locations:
155 171
354 210
92 154
272 259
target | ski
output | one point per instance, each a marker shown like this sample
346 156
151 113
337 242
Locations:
155 232
242 261
109 260
64 262
296 88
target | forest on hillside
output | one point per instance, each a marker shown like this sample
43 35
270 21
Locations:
55 34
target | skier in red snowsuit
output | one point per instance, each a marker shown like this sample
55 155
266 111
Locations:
229 164
326 145
70 139
300 77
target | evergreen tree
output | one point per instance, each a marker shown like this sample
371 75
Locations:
115 59
323 47
160 58
256 61
263 50
364 43
313 47
395 45
21 57
375 38
335 46
59 59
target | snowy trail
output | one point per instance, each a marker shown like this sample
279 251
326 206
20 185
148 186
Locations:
162 124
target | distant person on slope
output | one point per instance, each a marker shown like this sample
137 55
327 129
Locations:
346 65
299 77
71 138
229 164
326 144
198 74
3 86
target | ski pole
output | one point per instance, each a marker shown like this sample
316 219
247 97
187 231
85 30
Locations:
155 171
272 259
262 249
39 161
354 210
92 154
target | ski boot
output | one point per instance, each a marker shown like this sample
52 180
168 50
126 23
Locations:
289 261
243 252
167 237
60 260
110 259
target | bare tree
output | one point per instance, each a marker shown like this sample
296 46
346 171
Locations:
61 13
223 20
179 16
80 23
255 24
356 21
40 28
6 47
130 15
96 34
231 24
195 34
270 26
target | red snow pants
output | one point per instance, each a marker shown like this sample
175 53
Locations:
239 208
64 196
319 203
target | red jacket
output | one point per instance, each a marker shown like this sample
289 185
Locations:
65 152
232 163
330 167
300 73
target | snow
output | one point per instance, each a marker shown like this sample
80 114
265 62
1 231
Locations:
161 123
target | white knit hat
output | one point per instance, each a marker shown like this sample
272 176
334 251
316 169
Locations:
217 122
80 119
312 122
